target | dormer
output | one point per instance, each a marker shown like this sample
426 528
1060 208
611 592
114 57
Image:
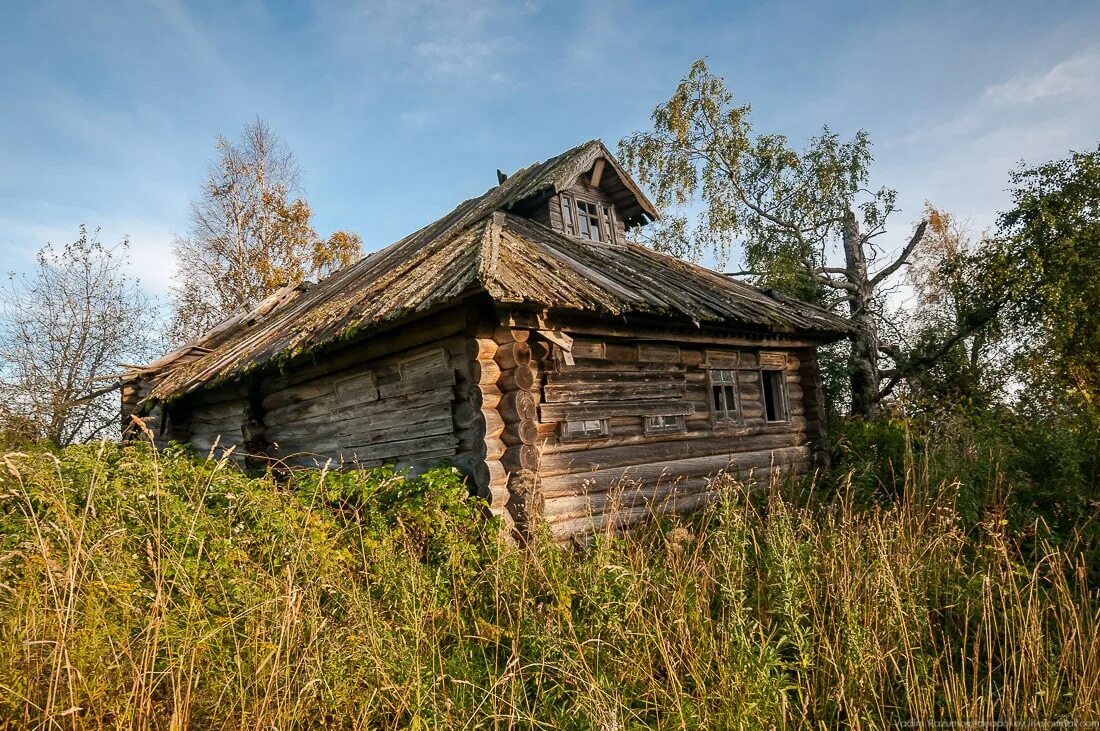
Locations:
583 193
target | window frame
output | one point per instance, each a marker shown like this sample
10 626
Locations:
566 435
726 416
783 413
569 204
678 424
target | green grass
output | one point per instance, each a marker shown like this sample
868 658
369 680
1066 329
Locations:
160 591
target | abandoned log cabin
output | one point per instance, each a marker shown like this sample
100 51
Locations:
525 340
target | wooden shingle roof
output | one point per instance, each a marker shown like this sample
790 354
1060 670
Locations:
481 247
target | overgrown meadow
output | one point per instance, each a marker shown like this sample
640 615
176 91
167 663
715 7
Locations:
917 581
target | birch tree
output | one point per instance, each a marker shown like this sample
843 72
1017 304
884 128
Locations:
250 234
809 221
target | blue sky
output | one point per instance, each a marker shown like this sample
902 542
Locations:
398 110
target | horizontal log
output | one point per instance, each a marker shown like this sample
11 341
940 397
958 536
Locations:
356 432
417 384
386 450
616 370
670 495
518 406
510 355
221 394
649 450
481 348
588 525
474 468
494 424
497 473
484 372
520 432
219 411
321 411
657 472
520 457
465 415
726 432
520 378
507 335
613 391
493 448
556 412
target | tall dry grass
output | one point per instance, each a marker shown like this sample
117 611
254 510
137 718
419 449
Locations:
157 591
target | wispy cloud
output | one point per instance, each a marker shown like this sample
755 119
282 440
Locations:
464 42
1075 77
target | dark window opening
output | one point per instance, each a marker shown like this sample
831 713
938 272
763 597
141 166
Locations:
775 395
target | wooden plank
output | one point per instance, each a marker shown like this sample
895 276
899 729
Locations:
423 365
555 412
428 382
613 391
589 349
678 493
360 387
722 358
669 469
597 172
652 448
694 495
355 435
388 450
772 361
658 353
628 374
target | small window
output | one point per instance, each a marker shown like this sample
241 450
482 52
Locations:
588 216
567 216
775 395
608 223
584 428
663 424
723 394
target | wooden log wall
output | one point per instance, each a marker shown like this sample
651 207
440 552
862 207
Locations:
388 400
630 471
212 421
393 410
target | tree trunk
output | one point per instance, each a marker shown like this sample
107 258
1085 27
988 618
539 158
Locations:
863 361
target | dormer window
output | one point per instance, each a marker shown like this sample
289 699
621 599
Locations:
588 215
587 219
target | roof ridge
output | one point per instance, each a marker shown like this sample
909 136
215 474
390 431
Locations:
489 252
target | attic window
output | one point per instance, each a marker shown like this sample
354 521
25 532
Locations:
588 215
587 219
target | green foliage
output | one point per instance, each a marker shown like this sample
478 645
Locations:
1050 257
141 590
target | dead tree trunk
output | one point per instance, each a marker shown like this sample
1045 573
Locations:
863 362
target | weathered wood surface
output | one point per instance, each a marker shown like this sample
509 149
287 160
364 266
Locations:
670 469
672 493
623 383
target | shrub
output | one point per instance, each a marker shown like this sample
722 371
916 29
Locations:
155 590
